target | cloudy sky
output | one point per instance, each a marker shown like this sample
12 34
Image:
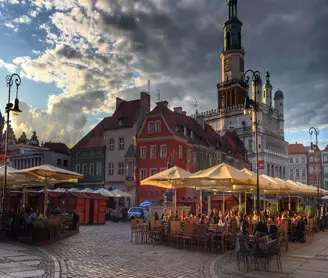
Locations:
75 57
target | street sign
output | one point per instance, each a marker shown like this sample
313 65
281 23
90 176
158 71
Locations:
260 164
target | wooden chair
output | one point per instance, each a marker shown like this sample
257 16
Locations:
134 230
201 236
175 232
188 232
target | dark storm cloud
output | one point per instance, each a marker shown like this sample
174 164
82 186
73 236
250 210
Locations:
184 41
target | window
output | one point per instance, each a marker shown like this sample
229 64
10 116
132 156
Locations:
121 122
85 154
85 169
205 159
214 159
143 174
99 153
129 169
120 169
91 169
311 169
98 169
250 145
291 160
180 150
303 160
152 171
58 162
92 153
157 126
121 143
152 151
325 158
143 152
326 184
78 168
201 159
291 174
311 158
297 160
111 144
303 173
189 155
210 162
163 150
150 127
78 154
110 168
325 170
297 173
65 162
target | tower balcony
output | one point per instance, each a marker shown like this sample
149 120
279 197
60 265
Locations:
233 81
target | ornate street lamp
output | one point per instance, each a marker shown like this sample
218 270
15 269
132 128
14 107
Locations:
249 107
10 80
315 150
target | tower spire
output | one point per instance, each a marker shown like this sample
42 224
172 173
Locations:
233 11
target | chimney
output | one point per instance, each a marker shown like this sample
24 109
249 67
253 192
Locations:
201 120
119 101
145 102
163 103
184 113
178 110
185 131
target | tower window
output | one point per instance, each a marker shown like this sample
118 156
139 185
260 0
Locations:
228 36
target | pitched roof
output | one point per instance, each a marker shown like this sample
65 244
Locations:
206 137
94 139
56 147
326 149
131 152
296 149
127 112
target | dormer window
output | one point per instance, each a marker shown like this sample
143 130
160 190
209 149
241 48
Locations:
150 127
121 122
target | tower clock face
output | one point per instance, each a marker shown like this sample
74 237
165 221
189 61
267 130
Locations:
227 64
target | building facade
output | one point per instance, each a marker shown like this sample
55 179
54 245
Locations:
171 138
314 166
232 92
88 158
27 156
324 167
297 163
120 141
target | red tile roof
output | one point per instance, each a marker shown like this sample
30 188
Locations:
296 149
127 111
94 139
206 137
326 149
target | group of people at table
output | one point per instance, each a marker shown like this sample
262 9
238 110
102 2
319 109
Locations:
262 224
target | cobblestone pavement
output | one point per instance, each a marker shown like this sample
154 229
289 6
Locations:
106 251
20 260
302 260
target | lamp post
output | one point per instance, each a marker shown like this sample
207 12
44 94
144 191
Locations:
315 150
10 80
249 107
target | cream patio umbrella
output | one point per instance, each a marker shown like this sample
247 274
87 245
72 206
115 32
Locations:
171 178
48 172
120 193
101 191
222 177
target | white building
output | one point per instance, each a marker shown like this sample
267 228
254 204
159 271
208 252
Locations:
297 163
26 156
324 166
120 138
232 92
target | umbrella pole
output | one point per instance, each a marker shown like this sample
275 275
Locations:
223 205
201 201
245 203
45 206
289 204
239 201
175 200
209 202
264 203
254 203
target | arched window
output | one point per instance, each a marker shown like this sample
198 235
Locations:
228 39
272 171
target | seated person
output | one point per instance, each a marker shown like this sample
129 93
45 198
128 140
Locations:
202 220
300 231
222 223
261 228
244 225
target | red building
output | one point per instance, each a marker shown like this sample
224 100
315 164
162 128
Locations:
314 166
171 138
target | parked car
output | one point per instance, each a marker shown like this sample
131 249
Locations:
135 213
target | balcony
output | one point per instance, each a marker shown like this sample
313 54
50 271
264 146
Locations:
129 178
232 81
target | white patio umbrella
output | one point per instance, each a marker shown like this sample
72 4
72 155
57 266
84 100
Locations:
73 189
104 192
48 172
120 193
87 190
